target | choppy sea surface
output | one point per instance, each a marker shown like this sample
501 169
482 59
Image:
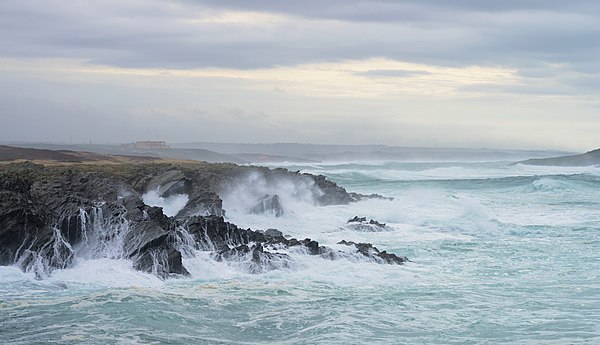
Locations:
500 255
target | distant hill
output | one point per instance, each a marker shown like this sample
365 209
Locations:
118 150
586 159
300 153
342 153
263 158
10 153
199 155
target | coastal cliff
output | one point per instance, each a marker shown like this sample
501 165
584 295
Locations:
51 216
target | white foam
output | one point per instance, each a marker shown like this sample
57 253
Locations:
549 184
104 272
170 205
410 171
14 274
202 266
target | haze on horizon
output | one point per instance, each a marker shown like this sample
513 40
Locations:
468 73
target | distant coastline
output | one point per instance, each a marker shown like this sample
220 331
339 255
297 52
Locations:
256 153
589 158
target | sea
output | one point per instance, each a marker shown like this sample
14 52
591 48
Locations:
499 254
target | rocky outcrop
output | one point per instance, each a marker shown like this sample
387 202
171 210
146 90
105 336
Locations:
263 251
369 251
52 216
361 224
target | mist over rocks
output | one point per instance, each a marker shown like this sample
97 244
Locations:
52 216
268 203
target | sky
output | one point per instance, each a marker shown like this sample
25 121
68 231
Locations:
462 73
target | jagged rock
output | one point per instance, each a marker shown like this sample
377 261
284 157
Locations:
273 233
50 215
360 224
368 250
161 259
358 196
202 203
23 222
268 204
332 193
376 223
357 219
313 247
170 183
254 259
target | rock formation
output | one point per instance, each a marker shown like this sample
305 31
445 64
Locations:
52 216
360 224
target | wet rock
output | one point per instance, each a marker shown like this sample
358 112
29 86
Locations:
376 223
357 219
361 224
170 183
46 212
357 197
368 250
273 233
161 259
254 259
332 194
313 247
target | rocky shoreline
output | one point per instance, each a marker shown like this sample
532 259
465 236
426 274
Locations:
52 215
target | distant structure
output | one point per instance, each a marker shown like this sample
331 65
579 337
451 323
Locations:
146 145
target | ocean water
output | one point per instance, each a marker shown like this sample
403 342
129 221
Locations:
500 255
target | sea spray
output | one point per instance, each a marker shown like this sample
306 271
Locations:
171 205
294 195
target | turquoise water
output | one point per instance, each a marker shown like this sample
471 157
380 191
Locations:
500 255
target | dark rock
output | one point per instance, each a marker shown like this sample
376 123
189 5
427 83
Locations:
357 197
376 223
312 247
332 193
368 250
202 203
254 259
357 219
273 233
161 259
361 224
170 183
50 215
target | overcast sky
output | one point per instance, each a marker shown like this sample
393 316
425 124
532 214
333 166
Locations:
470 73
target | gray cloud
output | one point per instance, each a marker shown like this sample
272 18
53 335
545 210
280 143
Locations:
394 10
552 45
141 34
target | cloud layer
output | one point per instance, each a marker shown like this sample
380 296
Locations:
289 62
